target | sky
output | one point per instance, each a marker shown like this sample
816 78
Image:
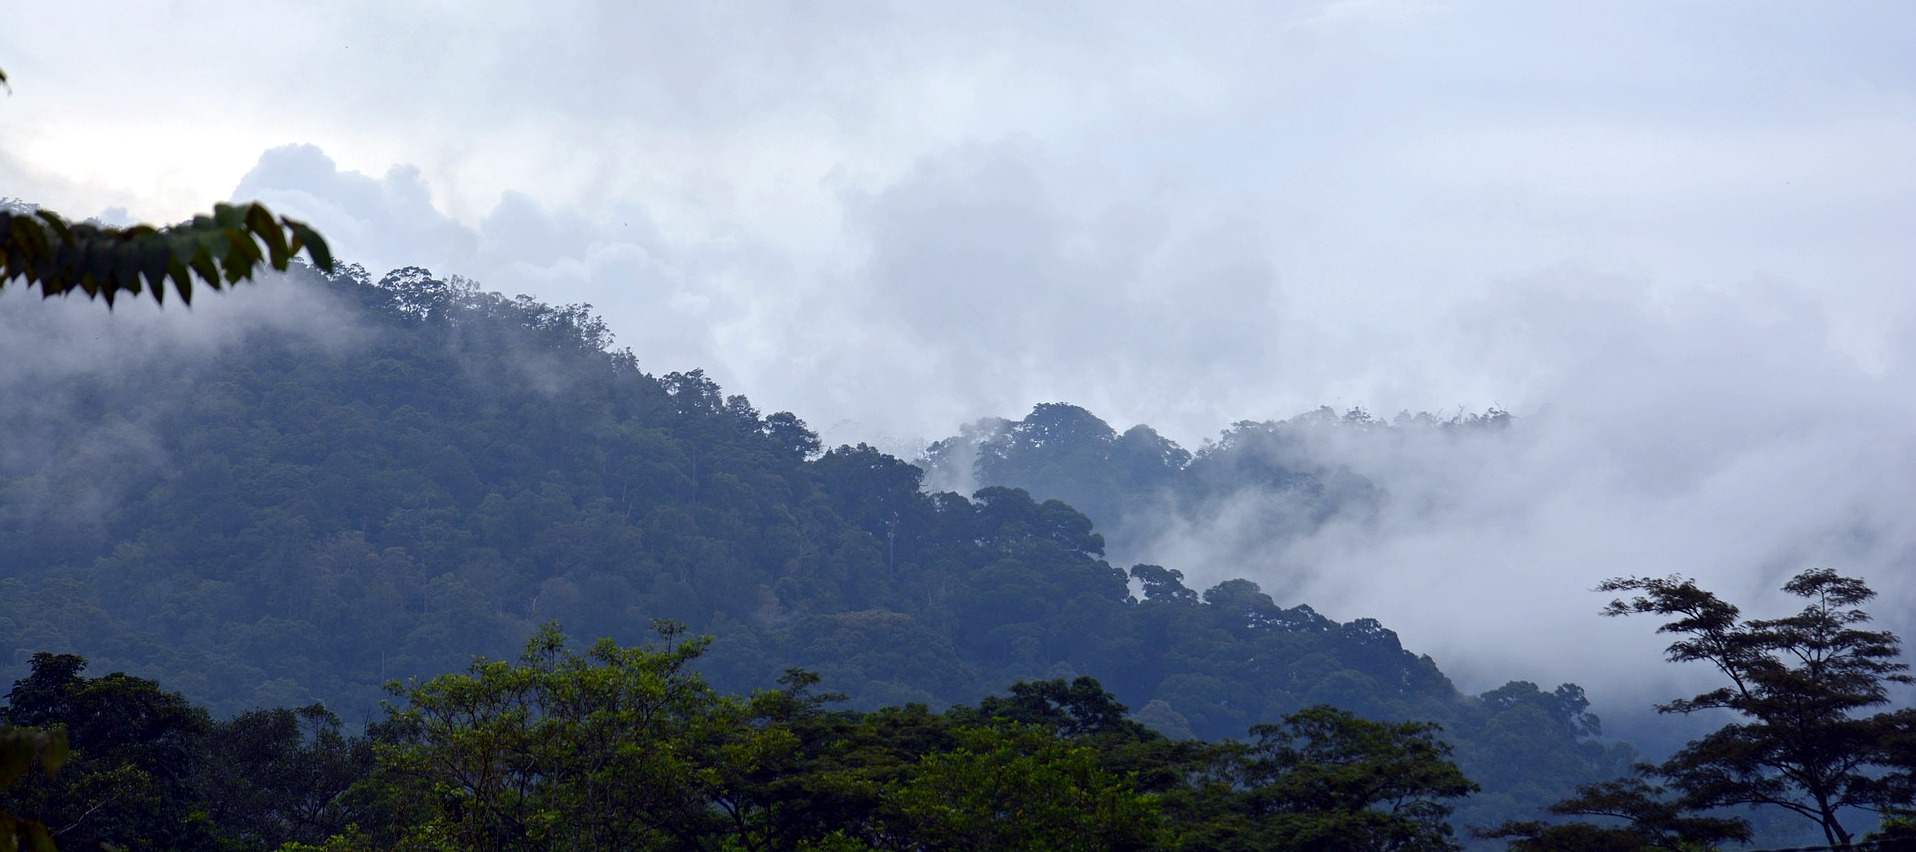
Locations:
1673 236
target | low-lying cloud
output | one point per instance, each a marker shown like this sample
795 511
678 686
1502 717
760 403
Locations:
1673 239
62 430
1731 436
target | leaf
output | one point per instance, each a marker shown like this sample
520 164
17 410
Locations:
278 252
37 837
202 264
16 754
155 262
242 254
228 216
182 281
54 752
56 223
316 247
224 247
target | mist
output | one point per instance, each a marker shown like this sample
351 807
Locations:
1672 240
1736 437
901 218
57 424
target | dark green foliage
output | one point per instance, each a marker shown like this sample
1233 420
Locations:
1020 789
1798 686
1079 709
43 250
130 774
618 748
1327 780
20 749
1639 816
629 748
283 775
309 517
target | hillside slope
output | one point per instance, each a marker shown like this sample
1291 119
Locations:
389 478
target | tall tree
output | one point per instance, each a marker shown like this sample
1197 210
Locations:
1019 788
129 778
1800 684
615 748
1328 781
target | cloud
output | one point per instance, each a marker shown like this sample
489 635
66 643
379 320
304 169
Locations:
382 223
1726 436
978 284
62 430
518 247
1673 237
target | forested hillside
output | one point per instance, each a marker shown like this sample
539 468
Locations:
1138 484
274 518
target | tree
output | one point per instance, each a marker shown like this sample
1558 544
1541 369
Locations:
1080 708
1328 781
1648 820
136 750
616 748
1018 788
275 776
1800 684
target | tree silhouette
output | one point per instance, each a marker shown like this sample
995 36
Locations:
1800 684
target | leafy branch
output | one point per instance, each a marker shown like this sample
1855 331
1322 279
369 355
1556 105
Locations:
45 250
19 749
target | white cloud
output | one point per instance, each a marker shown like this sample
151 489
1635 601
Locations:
383 223
1722 436
1675 233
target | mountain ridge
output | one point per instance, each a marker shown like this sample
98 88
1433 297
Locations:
308 519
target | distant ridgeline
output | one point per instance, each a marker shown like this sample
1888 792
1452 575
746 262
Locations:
308 520
1132 484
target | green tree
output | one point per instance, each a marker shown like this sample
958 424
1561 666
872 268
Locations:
616 748
1328 781
1017 788
136 749
282 775
1081 708
1800 684
1641 818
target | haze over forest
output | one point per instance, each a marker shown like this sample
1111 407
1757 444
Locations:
1664 247
1669 239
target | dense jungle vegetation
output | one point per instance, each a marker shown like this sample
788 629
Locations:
1139 484
294 520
